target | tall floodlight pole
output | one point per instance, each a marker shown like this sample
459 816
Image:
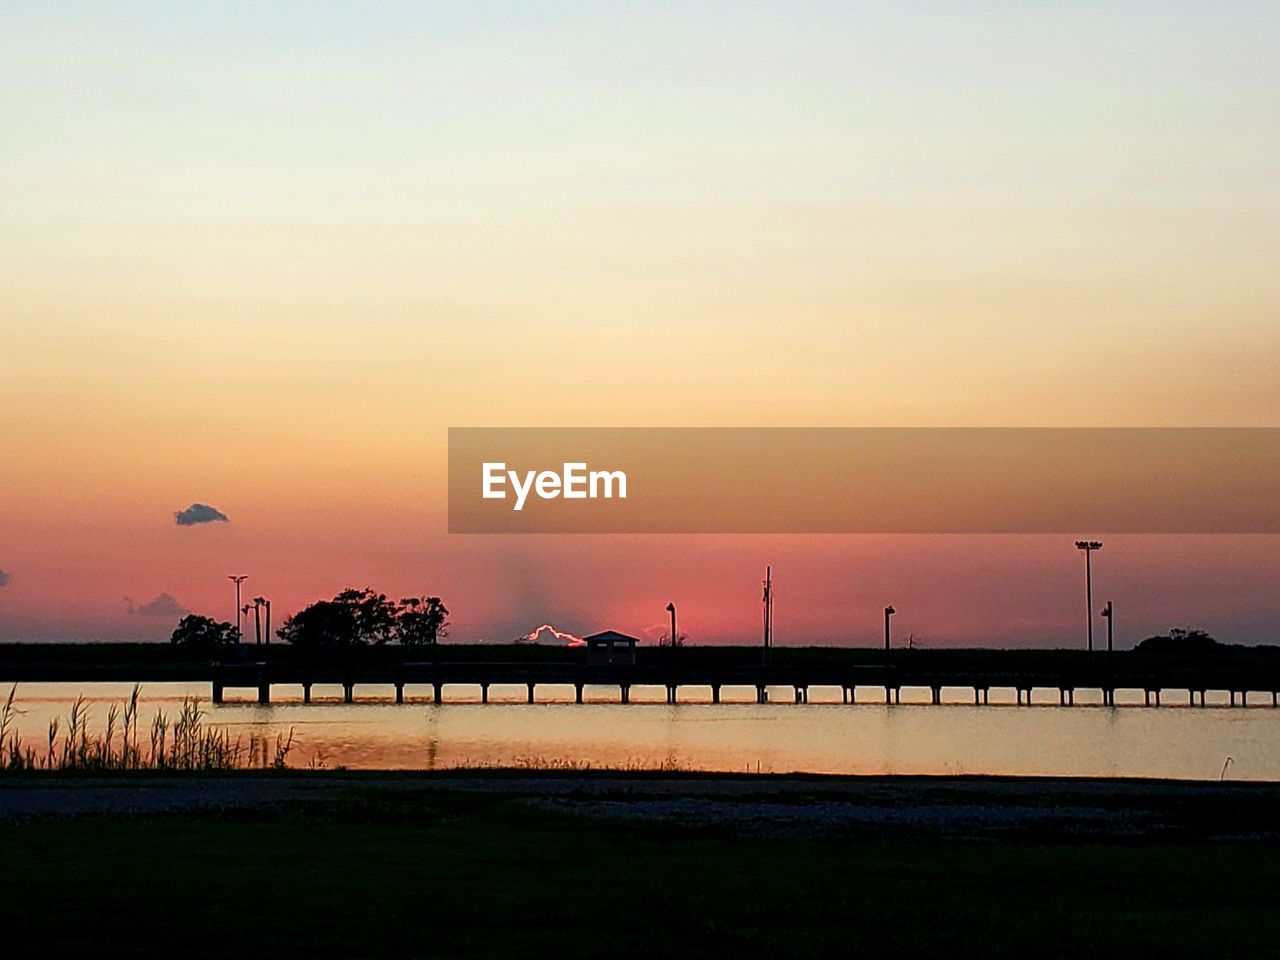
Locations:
1088 546
1109 612
238 579
888 612
268 605
768 610
257 618
671 609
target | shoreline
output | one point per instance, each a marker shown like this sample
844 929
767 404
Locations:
770 805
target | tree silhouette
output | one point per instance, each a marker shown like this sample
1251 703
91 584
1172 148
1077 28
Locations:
372 613
421 621
357 618
1180 641
324 624
198 633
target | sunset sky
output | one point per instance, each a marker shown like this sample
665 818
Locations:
263 256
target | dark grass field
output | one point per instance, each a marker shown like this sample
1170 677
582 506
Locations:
382 873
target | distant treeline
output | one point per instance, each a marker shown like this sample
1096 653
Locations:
1182 642
353 618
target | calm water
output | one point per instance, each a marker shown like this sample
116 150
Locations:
822 736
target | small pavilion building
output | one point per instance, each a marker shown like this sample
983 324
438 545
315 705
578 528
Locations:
611 649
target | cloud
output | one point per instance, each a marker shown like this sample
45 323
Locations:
162 606
199 513
550 636
4 578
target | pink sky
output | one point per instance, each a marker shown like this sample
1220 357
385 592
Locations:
266 269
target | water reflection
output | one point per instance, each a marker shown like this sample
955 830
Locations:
823 736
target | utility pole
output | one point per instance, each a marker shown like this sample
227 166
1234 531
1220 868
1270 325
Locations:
768 611
888 612
238 579
268 604
1088 546
1110 613
671 609
257 618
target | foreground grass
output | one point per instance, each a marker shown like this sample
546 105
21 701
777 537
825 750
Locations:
470 875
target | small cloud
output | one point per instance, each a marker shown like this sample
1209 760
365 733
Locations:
162 606
199 513
4 578
550 636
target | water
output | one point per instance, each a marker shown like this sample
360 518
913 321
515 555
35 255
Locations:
823 736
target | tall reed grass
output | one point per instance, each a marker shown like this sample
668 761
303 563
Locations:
183 742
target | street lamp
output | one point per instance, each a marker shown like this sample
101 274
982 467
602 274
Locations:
238 579
1109 612
671 609
888 612
1088 546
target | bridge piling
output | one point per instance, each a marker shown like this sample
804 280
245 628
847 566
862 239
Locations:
348 692
626 692
216 694
577 693
306 693
530 687
264 692
715 693
399 693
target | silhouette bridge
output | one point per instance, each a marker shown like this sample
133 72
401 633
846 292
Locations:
1245 676
886 680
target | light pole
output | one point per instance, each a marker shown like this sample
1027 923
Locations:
1088 546
257 618
768 611
888 612
671 609
1110 613
238 579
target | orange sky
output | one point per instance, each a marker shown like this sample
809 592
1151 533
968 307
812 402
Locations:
264 262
